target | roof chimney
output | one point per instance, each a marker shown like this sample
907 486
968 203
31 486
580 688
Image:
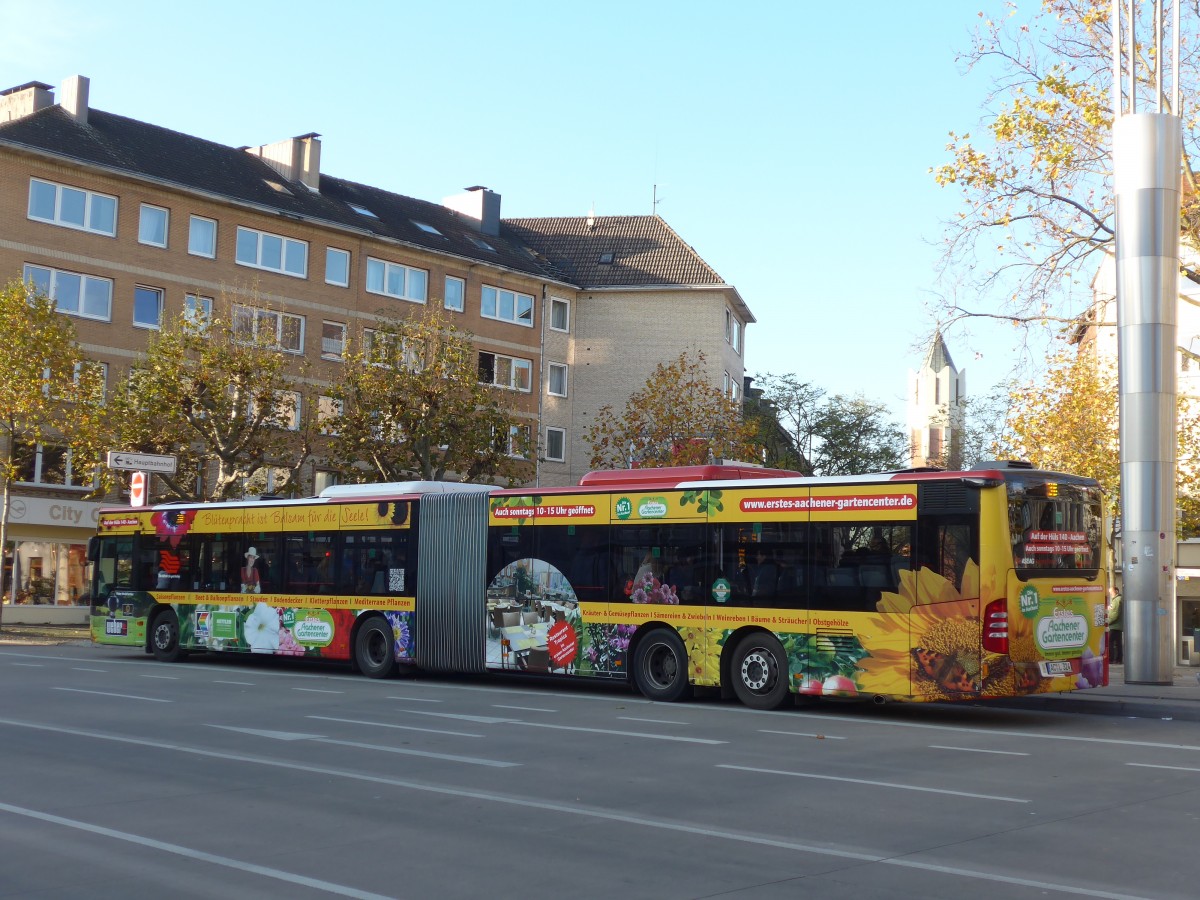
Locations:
296 159
73 98
24 99
480 204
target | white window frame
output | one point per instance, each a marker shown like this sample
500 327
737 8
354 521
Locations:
197 311
462 294
512 439
89 202
52 290
515 364
391 270
260 316
290 407
496 303
68 483
212 252
551 368
166 225
326 352
737 336
562 456
157 324
337 251
284 245
559 303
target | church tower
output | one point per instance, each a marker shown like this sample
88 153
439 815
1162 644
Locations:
937 396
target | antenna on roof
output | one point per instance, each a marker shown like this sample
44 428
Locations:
655 202
591 219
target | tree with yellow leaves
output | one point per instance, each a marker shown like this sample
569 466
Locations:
678 418
1036 184
1068 421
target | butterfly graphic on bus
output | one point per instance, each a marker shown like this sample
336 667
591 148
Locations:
950 672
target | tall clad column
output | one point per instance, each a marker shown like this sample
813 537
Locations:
1147 154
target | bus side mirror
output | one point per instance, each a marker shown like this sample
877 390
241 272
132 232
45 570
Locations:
93 548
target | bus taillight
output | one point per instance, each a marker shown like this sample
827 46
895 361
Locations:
995 626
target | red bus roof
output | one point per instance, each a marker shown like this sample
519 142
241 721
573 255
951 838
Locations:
668 476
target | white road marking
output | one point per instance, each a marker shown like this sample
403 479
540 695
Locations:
808 734
415 699
245 683
28 665
1173 768
976 750
162 677
403 751
82 669
199 855
317 691
652 721
399 727
622 818
111 694
523 708
887 784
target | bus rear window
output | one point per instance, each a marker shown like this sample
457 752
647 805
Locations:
1054 525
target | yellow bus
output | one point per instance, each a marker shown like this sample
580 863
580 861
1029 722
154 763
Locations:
758 583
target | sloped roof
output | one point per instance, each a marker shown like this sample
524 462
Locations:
140 149
938 357
614 251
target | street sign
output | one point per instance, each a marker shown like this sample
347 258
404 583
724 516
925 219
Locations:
141 462
137 489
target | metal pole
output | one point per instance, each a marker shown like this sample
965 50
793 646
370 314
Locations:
1147 155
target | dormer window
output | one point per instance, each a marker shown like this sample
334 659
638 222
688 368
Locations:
606 259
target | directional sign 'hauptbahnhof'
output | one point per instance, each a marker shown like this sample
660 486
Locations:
141 462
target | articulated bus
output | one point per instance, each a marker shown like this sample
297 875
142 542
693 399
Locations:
922 585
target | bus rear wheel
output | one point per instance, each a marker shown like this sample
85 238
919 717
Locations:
660 666
759 672
373 648
164 637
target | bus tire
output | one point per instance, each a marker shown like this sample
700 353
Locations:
660 666
164 637
759 672
373 648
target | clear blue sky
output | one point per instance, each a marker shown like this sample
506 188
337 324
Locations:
790 141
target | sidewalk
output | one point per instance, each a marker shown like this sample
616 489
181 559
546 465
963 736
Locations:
43 635
1179 700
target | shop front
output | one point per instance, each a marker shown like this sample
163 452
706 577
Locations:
45 563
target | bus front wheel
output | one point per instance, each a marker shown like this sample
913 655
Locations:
373 648
164 637
759 672
660 666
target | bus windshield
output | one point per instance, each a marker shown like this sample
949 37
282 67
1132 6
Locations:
1053 524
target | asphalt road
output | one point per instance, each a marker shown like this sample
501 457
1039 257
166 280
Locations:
249 778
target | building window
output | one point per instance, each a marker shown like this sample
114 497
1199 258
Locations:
556 444
328 410
395 280
333 340
147 307
289 410
560 314
379 348
197 311
152 225
737 336
280 331
85 296
505 371
322 480
337 267
507 306
273 252
202 236
556 379
516 441
456 289
72 208
46 464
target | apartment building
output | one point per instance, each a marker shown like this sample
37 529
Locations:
128 224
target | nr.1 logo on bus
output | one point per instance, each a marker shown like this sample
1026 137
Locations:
624 508
1029 602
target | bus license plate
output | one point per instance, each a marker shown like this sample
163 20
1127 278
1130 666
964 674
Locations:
1057 667
116 627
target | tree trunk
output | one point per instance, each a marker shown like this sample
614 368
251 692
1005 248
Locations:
3 545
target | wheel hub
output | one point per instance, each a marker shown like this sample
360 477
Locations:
756 670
